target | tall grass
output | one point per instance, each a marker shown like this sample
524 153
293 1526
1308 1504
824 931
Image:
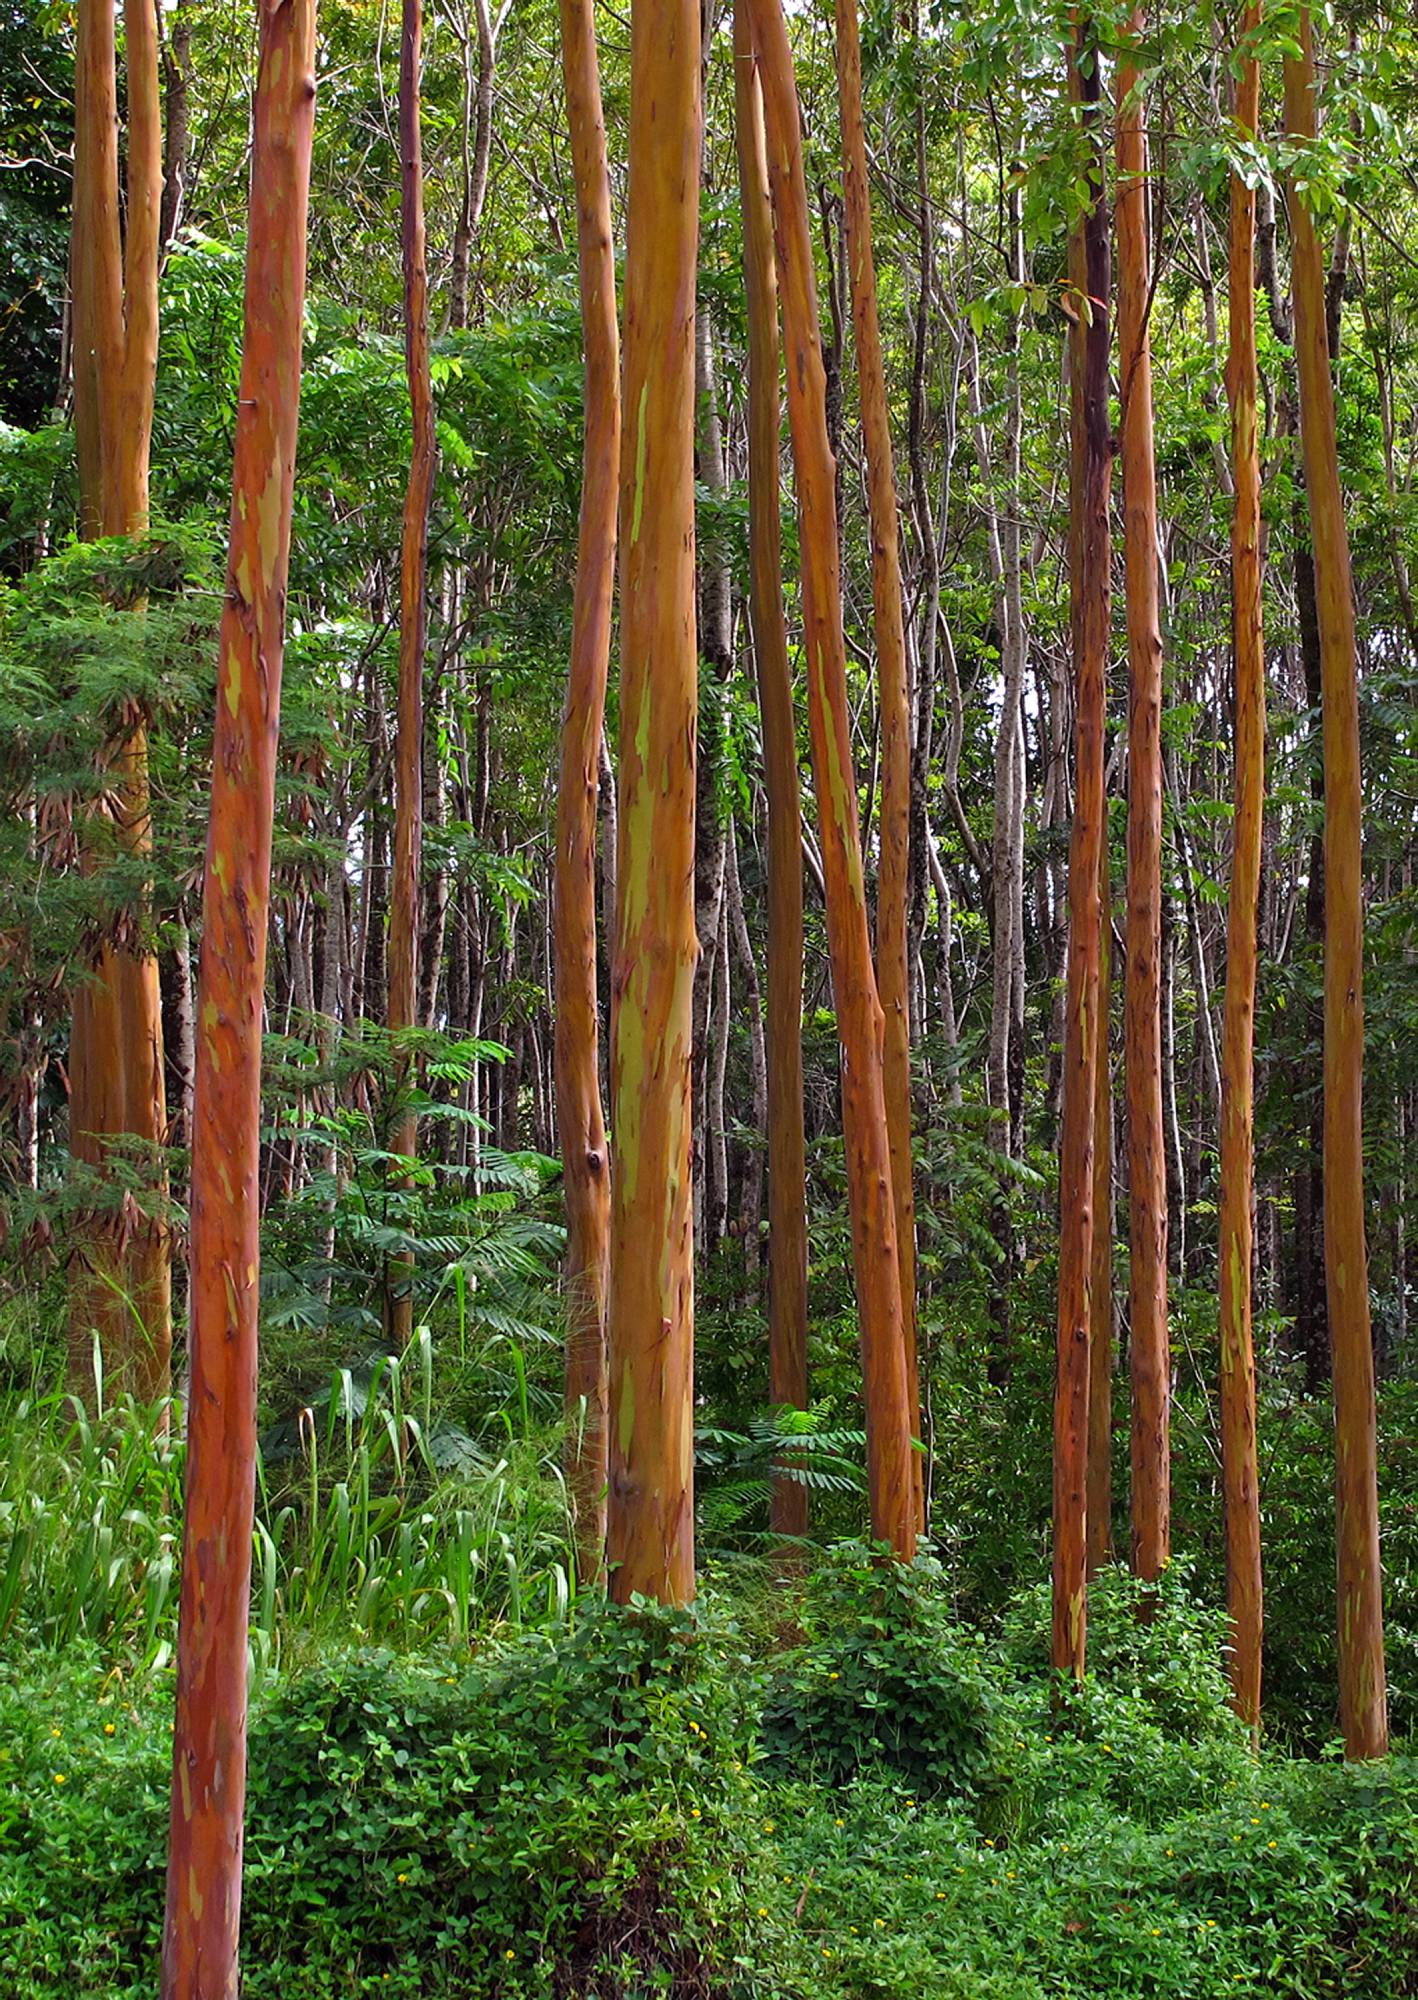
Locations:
373 1524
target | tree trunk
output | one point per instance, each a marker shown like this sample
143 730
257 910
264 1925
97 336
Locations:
413 638
1363 1699
1240 1478
860 1023
1099 1538
894 695
121 1267
581 1129
787 1163
209 1739
650 1530
1142 1010
1090 596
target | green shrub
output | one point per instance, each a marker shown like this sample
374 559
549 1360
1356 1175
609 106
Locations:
883 1679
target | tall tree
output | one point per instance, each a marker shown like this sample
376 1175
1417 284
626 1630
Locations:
1099 1536
580 1119
860 1023
650 1529
787 1164
1363 1695
894 699
1142 977
1240 1477
121 1265
1091 470
200 1943
404 901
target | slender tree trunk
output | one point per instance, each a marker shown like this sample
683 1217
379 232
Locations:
1100 1281
894 695
650 1530
581 1128
860 1023
787 1163
1090 592
1363 1699
1142 1015
1240 1477
209 1739
121 1269
413 639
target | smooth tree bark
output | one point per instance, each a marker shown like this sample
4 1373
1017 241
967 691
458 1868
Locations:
404 900
121 1261
200 1942
1099 1532
650 1527
580 1118
893 691
1240 1478
860 1022
1090 612
787 1160
1363 1696
1142 978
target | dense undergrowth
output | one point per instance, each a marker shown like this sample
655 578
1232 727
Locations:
829 1789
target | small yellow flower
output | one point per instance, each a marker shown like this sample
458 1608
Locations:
1265 1805
831 1677
769 1826
1270 1843
763 1913
877 1924
940 1895
109 1728
509 1954
1254 1821
401 1878
838 1822
694 1812
1157 1934
56 1731
989 1843
60 1778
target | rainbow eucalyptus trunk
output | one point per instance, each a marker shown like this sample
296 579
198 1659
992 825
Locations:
200 1943
860 1023
787 1162
581 1125
1240 1480
1090 593
893 881
1142 980
650 1528
1363 1695
1099 1535
413 638
121 1267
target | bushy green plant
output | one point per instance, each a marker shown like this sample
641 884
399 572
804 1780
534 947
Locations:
553 1817
883 1679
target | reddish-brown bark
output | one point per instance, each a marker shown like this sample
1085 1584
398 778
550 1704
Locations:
1363 1694
860 1024
200 1943
121 1267
1090 590
1099 1538
413 636
1142 979
894 818
650 1526
787 1163
580 1119
1240 1480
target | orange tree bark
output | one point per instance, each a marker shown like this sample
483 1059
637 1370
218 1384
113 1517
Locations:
413 638
650 1527
787 1163
893 881
860 1024
1363 1698
580 1119
209 1741
1099 1537
1090 614
121 1270
1238 1378
1142 987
